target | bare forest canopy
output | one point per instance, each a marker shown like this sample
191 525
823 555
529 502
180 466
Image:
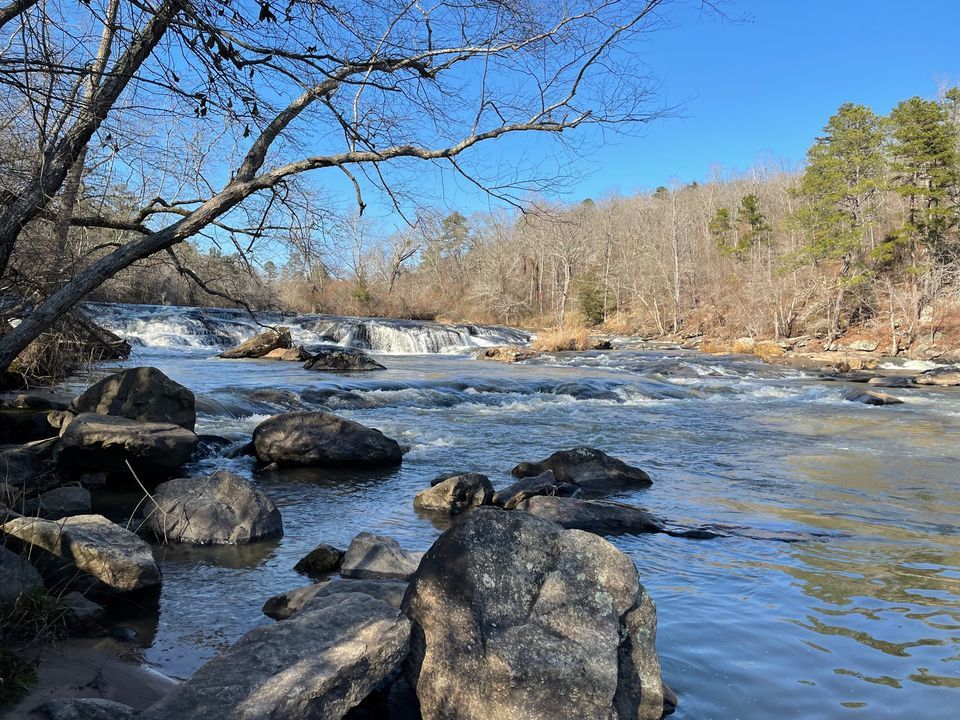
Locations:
132 126
866 236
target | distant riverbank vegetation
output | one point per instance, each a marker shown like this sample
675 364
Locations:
865 238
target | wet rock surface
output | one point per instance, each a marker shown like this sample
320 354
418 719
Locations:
455 494
342 360
322 439
591 469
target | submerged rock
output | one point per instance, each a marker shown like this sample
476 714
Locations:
222 509
113 555
142 393
318 664
17 577
323 439
871 397
378 557
322 560
260 345
59 502
94 441
515 617
592 469
596 516
285 605
543 484
342 360
455 494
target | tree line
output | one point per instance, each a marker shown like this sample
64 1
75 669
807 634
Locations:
865 236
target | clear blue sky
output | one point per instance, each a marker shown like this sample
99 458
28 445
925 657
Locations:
762 88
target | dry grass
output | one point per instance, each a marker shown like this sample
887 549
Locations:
768 350
561 339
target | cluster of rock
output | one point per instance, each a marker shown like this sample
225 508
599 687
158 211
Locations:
277 344
135 430
506 615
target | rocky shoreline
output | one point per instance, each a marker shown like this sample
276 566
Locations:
520 609
562 625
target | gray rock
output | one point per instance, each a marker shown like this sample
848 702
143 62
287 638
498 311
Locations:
91 543
17 577
88 709
142 393
59 502
871 397
891 381
260 345
456 494
94 441
322 560
318 665
294 354
342 360
378 557
322 439
81 612
514 617
222 509
596 516
942 377
592 469
283 606
544 484
24 472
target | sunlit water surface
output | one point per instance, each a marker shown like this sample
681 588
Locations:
865 622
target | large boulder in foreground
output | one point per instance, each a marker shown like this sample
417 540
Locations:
105 442
260 345
114 556
378 557
318 664
322 439
142 393
222 509
596 516
592 469
515 617
455 494
342 360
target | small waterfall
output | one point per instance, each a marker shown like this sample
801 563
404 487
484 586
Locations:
190 327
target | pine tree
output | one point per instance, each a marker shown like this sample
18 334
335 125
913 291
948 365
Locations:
926 170
841 184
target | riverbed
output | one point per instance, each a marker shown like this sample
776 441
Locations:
862 621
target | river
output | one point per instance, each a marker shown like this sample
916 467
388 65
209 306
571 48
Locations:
864 621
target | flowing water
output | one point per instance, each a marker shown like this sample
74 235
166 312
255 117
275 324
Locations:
864 621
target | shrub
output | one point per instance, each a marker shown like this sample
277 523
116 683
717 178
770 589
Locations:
561 339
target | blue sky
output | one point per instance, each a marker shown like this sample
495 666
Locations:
762 88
